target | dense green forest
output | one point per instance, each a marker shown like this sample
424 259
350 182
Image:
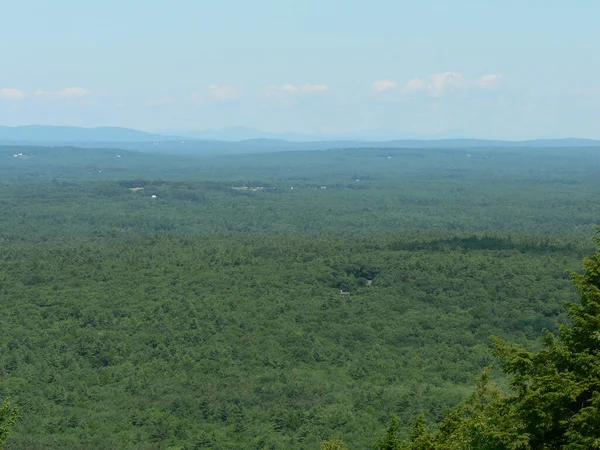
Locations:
554 401
165 301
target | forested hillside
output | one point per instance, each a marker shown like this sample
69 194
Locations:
554 396
159 301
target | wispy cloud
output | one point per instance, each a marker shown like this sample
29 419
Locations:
291 89
437 84
67 93
489 80
12 94
383 85
222 92
441 83
216 92
415 85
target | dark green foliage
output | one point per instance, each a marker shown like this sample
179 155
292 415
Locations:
243 337
210 316
557 390
554 401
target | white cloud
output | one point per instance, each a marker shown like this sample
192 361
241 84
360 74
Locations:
435 84
71 92
440 83
222 92
66 93
12 94
383 85
308 88
485 81
216 92
415 85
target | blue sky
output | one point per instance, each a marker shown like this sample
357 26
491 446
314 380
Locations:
506 69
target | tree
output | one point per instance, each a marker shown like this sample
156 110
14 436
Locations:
333 443
557 390
482 422
420 439
391 441
555 398
8 417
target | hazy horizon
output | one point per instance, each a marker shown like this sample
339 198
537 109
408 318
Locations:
500 71
53 133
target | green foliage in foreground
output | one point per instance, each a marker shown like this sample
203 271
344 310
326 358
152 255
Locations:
8 417
334 443
554 402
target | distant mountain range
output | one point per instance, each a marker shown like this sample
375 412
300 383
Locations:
246 140
43 133
245 133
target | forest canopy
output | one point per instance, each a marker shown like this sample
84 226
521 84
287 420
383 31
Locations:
554 396
160 301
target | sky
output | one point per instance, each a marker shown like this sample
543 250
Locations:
508 69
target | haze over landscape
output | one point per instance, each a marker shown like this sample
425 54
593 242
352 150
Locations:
497 70
299 224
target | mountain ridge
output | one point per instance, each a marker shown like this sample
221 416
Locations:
33 133
132 139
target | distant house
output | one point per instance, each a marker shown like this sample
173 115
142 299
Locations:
342 292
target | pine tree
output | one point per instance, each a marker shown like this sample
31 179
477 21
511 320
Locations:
420 439
391 441
558 389
555 398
